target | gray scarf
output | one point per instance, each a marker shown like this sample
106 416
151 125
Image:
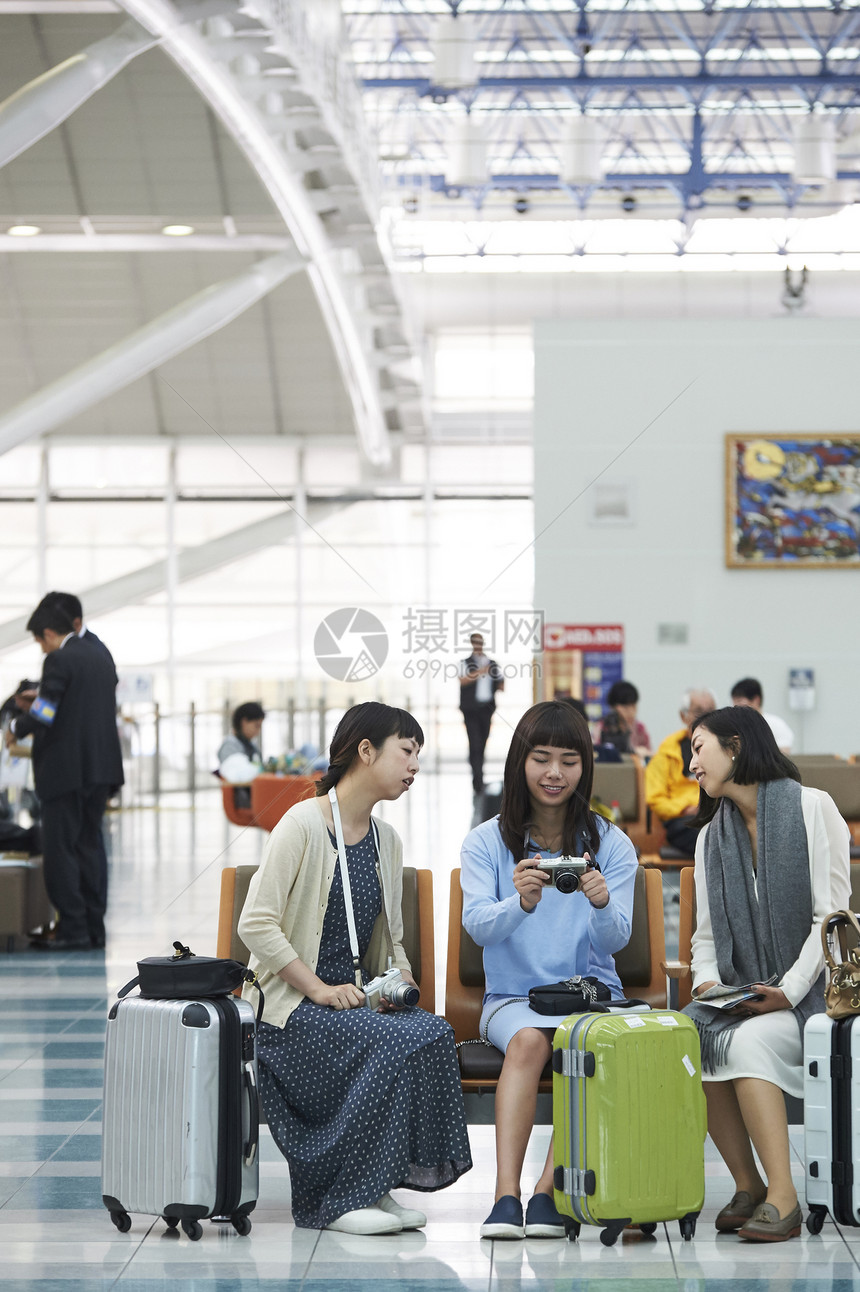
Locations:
756 936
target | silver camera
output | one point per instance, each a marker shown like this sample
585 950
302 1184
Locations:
565 872
390 986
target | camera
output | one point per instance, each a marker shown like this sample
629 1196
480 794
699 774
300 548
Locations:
390 986
565 872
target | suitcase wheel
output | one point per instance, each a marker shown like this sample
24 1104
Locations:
193 1229
573 1230
612 1230
241 1223
171 1221
687 1226
649 1228
815 1220
122 1220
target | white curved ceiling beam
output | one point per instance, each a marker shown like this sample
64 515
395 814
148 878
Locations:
191 563
225 95
39 107
136 355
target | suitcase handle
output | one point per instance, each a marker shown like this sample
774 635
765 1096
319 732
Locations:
250 1149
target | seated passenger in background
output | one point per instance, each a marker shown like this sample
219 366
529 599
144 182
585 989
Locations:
748 691
772 861
239 757
670 788
620 727
533 934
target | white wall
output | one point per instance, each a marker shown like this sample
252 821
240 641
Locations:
597 387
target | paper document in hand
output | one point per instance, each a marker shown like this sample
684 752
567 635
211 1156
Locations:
722 997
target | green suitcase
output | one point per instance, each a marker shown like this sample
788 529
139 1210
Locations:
629 1121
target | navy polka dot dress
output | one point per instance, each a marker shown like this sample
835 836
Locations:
360 1103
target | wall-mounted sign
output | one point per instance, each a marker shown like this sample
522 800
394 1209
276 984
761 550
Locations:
801 688
583 661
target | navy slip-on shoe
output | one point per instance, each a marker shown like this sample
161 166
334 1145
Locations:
543 1220
505 1220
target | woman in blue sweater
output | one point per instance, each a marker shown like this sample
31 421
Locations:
532 934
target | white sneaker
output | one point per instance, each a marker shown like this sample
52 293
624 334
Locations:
366 1220
409 1218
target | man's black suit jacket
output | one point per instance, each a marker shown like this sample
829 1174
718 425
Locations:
89 636
80 748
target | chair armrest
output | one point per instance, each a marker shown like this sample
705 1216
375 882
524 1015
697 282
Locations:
674 968
225 913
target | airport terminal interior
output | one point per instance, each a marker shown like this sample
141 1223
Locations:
333 332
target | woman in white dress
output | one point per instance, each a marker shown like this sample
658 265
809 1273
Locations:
772 861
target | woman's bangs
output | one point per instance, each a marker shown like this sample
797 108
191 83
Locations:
408 728
554 728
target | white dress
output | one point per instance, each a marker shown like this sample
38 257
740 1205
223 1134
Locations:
769 1046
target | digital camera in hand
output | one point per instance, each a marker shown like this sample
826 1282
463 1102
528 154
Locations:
565 872
390 986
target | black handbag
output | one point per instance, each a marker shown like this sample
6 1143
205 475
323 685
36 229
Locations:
580 996
576 995
185 976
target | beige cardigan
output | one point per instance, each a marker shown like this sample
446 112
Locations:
282 918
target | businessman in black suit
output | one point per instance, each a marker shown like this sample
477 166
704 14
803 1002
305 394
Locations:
480 679
71 606
77 765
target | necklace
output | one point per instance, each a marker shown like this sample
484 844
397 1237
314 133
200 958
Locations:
545 842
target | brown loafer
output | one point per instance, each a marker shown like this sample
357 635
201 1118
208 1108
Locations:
767 1227
737 1211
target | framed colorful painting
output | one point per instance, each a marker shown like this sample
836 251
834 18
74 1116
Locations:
792 501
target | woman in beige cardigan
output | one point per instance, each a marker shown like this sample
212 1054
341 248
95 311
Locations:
359 1101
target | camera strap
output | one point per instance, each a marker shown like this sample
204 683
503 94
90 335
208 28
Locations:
344 879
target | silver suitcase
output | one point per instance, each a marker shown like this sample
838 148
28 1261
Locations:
180 1127
831 1115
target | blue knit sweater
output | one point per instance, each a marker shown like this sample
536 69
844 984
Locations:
563 935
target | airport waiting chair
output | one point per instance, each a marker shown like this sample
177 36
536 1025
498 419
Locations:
802 761
238 815
417 910
841 780
639 964
624 783
680 981
24 902
272 795
619 783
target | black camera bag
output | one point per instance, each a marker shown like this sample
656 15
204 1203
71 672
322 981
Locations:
185 976
576 995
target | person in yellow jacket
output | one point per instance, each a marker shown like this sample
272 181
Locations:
670 791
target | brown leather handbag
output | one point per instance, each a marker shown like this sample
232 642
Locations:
842 993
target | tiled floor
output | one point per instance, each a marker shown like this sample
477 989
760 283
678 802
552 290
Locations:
56 1234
